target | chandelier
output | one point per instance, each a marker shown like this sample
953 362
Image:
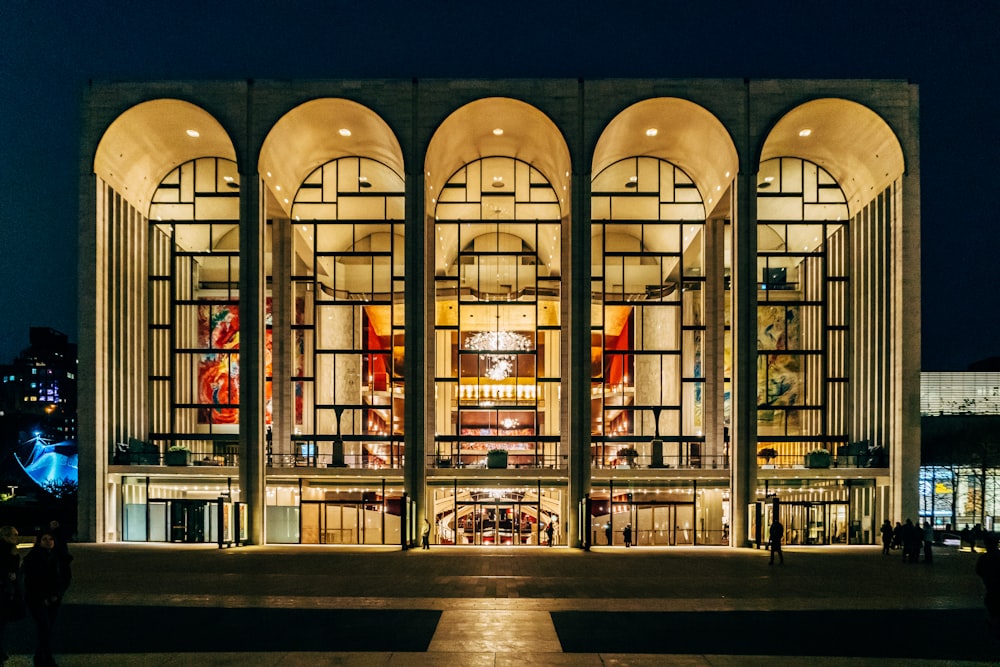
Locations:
498 366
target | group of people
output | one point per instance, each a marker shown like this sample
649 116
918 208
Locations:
626 534
34 587
909 537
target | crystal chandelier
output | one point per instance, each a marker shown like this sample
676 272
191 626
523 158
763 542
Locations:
498 366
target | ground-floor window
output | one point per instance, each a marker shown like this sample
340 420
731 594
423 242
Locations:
319 512
819 512
511 516
649 515
190 510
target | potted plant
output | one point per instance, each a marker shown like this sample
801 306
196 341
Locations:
629 454
767 453
818 458
496 458
177 455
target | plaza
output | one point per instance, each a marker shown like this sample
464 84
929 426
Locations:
302 605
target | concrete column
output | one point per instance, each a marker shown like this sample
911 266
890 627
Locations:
713 361
252 470
282 344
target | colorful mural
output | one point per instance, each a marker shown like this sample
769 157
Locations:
778 375
219 369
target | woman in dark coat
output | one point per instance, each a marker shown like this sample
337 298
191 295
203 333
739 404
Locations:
44 585
11 602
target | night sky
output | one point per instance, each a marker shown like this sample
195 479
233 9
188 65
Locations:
49 49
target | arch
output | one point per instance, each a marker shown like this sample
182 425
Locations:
469 134
147 141
317 132
849 140
676 131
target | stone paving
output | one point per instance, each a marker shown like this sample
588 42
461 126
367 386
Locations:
496 604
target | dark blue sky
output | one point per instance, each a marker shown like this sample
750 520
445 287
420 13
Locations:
49 49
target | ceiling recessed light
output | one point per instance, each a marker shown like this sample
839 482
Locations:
193 133
768 179
633 182
805 133
344 132
498 181
498 131
363 182
651 132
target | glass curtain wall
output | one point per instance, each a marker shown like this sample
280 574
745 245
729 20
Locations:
346 317
802 315
194 316
647 317
497 325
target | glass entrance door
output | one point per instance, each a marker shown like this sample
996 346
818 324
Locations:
503 517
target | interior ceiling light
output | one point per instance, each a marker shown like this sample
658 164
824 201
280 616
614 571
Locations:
498 131
498 181
363 182
805 133
194 133
651 132
498 366
633 182
344 132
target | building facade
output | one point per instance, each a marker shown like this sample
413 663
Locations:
350 307
960 449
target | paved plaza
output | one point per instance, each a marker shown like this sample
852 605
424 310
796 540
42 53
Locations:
458 606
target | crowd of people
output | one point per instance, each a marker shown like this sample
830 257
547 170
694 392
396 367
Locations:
34 587
910 538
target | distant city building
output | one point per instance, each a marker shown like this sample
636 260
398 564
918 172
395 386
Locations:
39 389
960 447
324 312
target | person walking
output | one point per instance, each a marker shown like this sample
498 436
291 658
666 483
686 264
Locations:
11 599
607 532
425 535
928 535
550 530
774 535
627 534
43 592
886 537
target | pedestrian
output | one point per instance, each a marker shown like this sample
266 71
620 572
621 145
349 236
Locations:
607 532
425 535
43 592
11 599
886 537
774 535
62 551
550 530
928 535
897 536
988 569
627 534
966 539
913 539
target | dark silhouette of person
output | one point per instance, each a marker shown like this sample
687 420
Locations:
43 592
607 532
550 530
928 535
627 534
897 536
912 539
425 535
774 536
988 569
11 600
886 537
966 538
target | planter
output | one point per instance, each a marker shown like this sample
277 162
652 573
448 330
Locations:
817 460
177 457
496 459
